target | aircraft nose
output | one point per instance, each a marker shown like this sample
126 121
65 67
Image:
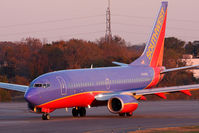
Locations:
31 96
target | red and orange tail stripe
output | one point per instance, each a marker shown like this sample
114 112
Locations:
157 57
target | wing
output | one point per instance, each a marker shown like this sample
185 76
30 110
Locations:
138 93
15 87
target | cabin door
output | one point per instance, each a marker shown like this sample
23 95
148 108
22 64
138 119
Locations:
62 85
107 82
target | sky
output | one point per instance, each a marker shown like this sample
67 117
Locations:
53 20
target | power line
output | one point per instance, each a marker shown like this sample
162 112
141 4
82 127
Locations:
108 25
51 21
132 32
94 24
147 35
129 16
140 25
128 24
76 18
86 17
53 29
76 34
144 17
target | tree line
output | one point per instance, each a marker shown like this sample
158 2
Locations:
23 61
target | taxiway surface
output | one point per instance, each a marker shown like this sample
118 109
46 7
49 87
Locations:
14 117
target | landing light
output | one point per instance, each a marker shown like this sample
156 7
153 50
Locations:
99 96
66 109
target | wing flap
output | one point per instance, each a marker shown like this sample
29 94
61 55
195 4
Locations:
15 87
162 95
186 92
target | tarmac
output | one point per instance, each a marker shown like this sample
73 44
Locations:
15 117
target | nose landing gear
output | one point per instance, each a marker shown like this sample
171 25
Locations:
77 111
46 116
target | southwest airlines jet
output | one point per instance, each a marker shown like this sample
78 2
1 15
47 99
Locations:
118 88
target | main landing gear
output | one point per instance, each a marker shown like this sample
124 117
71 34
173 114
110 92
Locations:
126 114
81 111
46 116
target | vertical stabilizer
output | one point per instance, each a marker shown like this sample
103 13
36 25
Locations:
153 53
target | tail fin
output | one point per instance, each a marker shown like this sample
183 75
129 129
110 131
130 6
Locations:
153 53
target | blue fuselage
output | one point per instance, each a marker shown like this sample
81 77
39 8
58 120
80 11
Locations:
59 84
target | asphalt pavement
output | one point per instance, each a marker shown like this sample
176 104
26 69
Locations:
14 117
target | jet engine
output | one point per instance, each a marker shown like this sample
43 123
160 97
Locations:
122 104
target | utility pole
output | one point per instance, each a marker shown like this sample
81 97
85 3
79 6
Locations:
108 35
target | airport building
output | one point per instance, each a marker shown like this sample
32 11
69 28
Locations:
190 60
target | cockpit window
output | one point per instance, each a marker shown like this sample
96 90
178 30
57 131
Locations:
42 85
37 85
46 85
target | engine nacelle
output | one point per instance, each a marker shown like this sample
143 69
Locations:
122 104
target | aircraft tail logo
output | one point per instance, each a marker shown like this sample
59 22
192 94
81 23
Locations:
153 53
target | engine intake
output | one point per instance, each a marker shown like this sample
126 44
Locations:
122 104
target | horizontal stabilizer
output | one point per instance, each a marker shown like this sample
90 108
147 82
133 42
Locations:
119 64
15 87
179 68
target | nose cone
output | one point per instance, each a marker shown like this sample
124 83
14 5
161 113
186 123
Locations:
31 96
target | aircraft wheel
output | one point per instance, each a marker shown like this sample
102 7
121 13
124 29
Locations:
122 114
82 111
75 112
46 116
129 114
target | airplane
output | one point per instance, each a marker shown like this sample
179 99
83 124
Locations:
119 88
